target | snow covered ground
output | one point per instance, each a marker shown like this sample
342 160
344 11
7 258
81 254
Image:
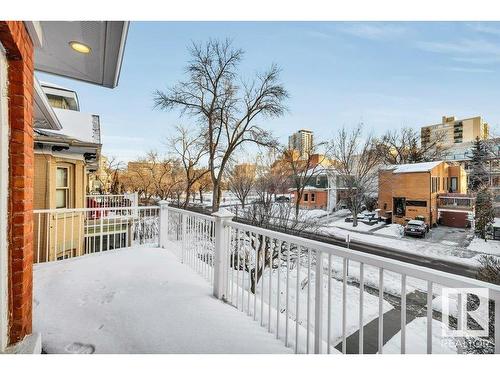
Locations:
416 339
410 245
361 227
393 230
139 300
491 247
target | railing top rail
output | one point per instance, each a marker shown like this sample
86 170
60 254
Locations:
92 209
419 272
108 195
191 213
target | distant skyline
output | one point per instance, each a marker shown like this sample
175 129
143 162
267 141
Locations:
384 74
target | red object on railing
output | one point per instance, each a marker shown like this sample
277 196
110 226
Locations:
92 203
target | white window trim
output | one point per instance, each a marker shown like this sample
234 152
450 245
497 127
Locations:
4 191
67 188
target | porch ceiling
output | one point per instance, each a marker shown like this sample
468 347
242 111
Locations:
101 66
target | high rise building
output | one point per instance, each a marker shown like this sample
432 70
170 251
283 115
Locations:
302 141
451 130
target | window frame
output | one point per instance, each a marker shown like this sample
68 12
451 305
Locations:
67 188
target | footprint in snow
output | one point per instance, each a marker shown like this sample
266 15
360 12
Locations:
79 348
108 297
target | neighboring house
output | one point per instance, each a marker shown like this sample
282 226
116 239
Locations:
86 51
324 190
452 130
431 190
100 180
462 154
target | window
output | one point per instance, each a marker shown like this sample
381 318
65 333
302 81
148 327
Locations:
454 184
306 197
62 187
399 205
313 197
435 182
416 203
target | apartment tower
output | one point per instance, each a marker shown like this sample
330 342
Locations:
452 130
302 141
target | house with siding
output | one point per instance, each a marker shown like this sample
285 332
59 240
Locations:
86 51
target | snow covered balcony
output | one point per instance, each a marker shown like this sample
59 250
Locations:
185 282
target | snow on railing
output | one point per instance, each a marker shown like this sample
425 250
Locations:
66 233
319 297
111 200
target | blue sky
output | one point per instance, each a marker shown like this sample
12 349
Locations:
384 74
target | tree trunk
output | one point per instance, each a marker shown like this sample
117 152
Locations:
297 206
188 194
354 203
216 195
201 196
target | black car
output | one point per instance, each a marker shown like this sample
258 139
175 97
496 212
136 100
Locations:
416 228
282 199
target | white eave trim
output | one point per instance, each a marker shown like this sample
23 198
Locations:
35 32
121 52
43 105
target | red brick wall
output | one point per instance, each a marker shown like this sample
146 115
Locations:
320 201
19 48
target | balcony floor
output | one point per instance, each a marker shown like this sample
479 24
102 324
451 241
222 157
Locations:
139 300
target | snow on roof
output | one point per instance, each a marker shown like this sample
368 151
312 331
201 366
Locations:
416 167
54 86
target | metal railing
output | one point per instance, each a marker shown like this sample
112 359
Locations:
314 295
111 200
191 236
456 202
66 233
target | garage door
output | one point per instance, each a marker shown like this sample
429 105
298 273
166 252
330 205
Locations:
454 219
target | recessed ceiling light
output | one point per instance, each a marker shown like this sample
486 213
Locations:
80 47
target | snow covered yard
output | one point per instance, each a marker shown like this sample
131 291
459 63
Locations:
491 247
409 245
138 300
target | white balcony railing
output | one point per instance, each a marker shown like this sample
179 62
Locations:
290 284
111 200
66 233
311 295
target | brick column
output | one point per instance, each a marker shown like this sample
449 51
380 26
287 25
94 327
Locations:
19 48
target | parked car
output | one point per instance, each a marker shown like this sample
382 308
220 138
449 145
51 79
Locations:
422 219
416 228
366 217
282 199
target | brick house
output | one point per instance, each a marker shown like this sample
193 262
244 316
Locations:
410 190
324 190
87 51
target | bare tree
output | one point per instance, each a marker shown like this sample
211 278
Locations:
226 108
108 174
356 161
241 180
154 176
204 183
189 148
404 146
